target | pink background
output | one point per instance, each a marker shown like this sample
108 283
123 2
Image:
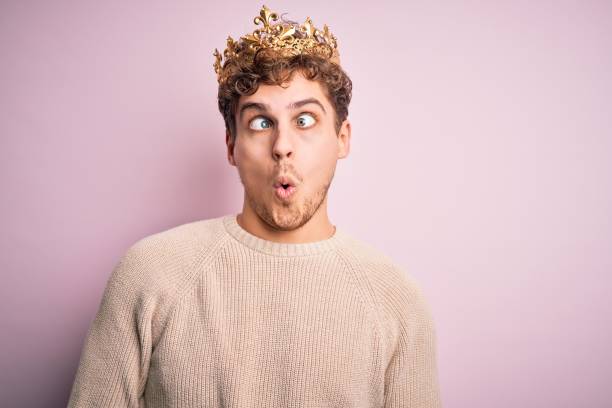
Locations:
480 162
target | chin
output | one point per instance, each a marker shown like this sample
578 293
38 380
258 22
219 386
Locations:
285 218
270 212
291 222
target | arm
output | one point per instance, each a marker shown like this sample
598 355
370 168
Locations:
411 378
114 361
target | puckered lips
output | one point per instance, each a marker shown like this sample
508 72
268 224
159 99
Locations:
284 187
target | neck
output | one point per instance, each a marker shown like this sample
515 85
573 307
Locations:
317 228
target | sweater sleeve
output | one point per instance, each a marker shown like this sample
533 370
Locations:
115 357
411 377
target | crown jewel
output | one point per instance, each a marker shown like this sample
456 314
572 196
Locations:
288 38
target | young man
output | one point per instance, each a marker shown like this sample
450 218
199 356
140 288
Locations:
275 306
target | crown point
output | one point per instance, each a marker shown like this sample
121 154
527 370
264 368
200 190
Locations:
285 37
265 17
308 26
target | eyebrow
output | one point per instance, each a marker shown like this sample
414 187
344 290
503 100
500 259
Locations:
294 105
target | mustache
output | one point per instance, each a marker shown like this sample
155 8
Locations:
288 168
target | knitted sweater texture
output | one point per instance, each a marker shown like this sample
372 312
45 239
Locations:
206 314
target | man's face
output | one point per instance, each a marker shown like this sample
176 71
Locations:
287 132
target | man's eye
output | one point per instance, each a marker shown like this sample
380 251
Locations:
260 123
305 120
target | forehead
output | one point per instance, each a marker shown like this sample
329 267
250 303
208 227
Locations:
278 97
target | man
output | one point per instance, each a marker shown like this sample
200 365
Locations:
275 306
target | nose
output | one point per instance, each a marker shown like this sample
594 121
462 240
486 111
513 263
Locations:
283 144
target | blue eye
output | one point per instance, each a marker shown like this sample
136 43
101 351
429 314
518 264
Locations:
260 123
305 120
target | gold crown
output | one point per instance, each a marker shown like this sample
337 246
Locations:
288 38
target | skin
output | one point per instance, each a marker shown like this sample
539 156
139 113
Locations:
280 139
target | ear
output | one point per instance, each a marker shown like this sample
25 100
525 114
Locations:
344 139
230 148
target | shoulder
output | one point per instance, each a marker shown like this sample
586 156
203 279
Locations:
387 277
182 240
397 295
164 260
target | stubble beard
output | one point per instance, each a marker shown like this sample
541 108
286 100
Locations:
292 215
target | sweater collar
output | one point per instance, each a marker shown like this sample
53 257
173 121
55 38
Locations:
278 248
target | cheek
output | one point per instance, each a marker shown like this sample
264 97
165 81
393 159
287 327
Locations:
322 160
249 161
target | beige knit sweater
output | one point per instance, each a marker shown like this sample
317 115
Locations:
206 314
